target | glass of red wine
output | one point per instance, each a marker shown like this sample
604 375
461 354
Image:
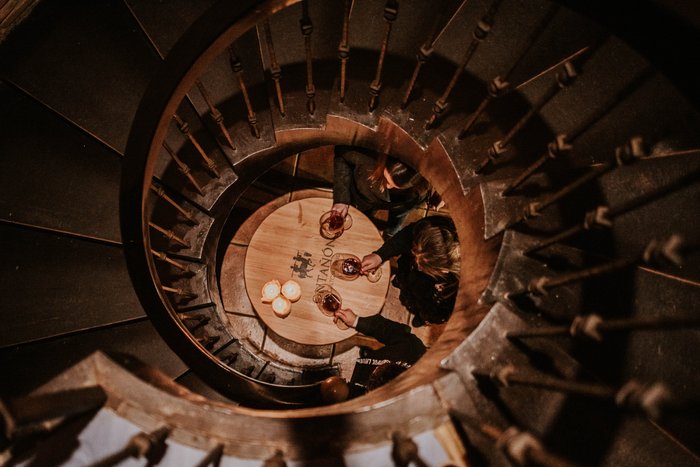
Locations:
328 300
348 267
333 225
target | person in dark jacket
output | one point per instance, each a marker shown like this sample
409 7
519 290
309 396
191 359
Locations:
374 368
427 269
371 181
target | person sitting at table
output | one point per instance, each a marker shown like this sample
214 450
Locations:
373 368
371 181
428 267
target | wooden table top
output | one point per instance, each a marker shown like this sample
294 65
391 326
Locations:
287 245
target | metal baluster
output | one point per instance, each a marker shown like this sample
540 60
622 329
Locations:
307 28
496 88
426 50
391 11
146 445
500 86
213 457
208 341
521 447
196 321
655 253
652 398
597 218
179 292
593 327
344 48
184 168
277 460
27 415
161 193
480 32
169 234
627 154
589 122
559 147
562 80
237 69
404 451
184 128
275 70
215 114
165 258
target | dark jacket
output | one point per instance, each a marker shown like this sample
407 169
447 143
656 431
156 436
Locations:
352 167
430 299
400 347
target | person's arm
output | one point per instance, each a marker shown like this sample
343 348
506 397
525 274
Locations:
398 244
342 178
386 331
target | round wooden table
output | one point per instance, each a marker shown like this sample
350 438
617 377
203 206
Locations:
288 245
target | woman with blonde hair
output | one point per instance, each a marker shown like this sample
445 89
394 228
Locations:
428 267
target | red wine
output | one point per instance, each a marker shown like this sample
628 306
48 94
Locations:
351 267
331 303
336 221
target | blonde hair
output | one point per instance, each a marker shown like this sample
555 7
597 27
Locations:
436 250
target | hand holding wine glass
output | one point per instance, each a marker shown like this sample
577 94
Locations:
371 262
346 315
341 209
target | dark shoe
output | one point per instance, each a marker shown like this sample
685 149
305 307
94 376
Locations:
417 322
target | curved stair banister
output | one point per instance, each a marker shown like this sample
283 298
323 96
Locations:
454 161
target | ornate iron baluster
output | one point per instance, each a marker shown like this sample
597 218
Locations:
208 341
140 445
599 217
277 459
237 68
184 128
560 146
426 50
521 447
165 258
179 292
404 451
169 234
593 327
628 154
161 193
213 457
306 29
391 11
563 80
184 168
275 70
496 88
651 399
656 252
215 114
482 29
41 413
344 48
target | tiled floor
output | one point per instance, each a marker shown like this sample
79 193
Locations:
305 169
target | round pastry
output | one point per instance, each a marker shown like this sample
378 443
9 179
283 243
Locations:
292 290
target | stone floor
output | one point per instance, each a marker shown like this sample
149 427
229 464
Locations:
302 170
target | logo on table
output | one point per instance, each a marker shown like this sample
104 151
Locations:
302 265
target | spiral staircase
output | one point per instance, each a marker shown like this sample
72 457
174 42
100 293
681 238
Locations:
142 140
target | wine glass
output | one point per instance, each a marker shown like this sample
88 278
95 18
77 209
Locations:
345 266
333 225
348 267
328 300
